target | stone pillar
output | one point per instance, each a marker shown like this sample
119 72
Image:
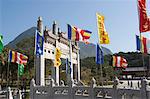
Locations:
93 85
19 95
55 70
39 60
40 25
115 89
57 76
32 85
143 90
42 70
54 28
70 90
9 93
75 69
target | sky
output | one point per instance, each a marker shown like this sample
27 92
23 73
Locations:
121 18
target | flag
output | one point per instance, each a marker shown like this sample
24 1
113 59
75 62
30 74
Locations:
144 20
99 55
119 61
72 33
20 69
143 44
77 34
68 68
57 57
1 43
138 43
39 43
103 35
85 36
16 57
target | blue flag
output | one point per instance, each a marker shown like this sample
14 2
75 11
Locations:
99 55
39 43
138 43
68 68
69 31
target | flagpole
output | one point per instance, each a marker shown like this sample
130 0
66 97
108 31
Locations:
102 74
101 65
71 65
18 78
142 54
140 39
100 47
148 72
8 69
8 74
100 61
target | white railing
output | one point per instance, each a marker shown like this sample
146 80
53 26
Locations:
89 92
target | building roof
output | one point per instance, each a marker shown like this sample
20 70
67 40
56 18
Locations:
134 69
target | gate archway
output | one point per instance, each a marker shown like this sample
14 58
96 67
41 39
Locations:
55 39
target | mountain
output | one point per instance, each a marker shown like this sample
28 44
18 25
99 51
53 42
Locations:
89 50
24 41
26 34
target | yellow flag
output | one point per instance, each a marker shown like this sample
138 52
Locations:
103 35
57 57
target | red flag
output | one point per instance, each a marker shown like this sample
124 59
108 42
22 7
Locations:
119 61
143 18
77 34
16 57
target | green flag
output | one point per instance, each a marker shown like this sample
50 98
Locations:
1 44
20 69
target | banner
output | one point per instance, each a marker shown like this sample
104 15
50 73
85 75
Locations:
57 57
102 34
144 20
20 69
99 55
39 43
1 44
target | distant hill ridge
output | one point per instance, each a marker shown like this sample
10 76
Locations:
26 34
86 50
